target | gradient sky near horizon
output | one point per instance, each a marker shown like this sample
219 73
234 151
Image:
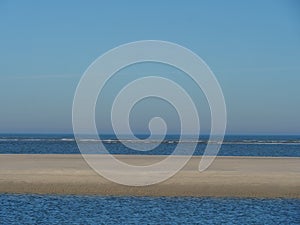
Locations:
253 47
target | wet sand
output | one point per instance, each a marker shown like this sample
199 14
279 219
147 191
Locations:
226 177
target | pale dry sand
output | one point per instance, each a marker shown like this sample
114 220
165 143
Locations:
227 176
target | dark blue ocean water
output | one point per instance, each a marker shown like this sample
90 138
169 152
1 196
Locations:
55 209
276 146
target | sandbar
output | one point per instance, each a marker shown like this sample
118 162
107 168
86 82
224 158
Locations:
263 177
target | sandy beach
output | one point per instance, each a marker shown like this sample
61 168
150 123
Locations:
227 176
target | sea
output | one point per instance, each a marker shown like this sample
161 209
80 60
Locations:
268 146
76 209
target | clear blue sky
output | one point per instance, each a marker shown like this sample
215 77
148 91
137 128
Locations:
252 46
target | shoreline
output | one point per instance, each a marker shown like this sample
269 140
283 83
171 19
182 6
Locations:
228 176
